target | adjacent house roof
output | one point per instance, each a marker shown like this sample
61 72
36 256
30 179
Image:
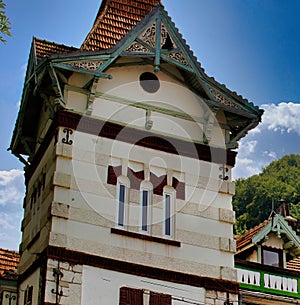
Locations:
246 239
294 264
9 261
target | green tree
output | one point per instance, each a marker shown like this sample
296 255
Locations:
254 195
4 23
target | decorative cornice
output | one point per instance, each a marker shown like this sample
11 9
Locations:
63 254
145 138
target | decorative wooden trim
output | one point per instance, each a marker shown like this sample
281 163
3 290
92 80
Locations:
145 138
154 239
266 268
63 254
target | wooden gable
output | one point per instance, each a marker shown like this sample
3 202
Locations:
122 29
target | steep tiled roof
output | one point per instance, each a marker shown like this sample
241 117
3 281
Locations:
294 264
245 239
9 261
114 20
46 48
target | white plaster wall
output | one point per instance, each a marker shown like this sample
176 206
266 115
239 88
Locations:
124 92
203 222
32 280
101 287
273 241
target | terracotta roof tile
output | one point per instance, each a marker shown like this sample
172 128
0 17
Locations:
245 239
114 20
46 48
9 261
294 264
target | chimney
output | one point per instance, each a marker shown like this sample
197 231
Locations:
282 208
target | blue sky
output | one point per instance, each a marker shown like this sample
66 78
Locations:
253 46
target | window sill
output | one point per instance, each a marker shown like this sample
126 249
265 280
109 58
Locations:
160 240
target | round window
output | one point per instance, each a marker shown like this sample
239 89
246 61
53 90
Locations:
149 82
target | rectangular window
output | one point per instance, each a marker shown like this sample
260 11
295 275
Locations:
121 212
271 257
145 204
167 215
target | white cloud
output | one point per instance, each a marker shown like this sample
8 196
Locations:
245 168
11 187
270 154
7 221
282 118
247 147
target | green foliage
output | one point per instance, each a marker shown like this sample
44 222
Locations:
4 23
254 195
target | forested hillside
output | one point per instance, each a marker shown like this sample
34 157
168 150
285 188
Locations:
254 195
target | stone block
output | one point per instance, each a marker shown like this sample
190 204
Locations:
232 245
229 274
226 215
77 268
224 244
60 210
62 180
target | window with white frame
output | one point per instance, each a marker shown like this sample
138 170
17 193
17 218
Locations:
123 185
146 206
168 211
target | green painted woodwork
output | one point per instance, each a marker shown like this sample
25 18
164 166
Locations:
263 289
280 226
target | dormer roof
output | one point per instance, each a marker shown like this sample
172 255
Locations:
276 224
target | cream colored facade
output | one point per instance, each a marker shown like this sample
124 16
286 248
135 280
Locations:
129 175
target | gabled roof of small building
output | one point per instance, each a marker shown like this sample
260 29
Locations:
246 239
276 224
9 262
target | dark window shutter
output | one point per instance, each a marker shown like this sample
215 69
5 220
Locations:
160 299
131 296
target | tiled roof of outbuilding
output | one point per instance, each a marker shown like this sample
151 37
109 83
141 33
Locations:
114 20
9 261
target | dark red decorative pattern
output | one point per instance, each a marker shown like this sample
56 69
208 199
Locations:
113 174
135 178
180 188
158 183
